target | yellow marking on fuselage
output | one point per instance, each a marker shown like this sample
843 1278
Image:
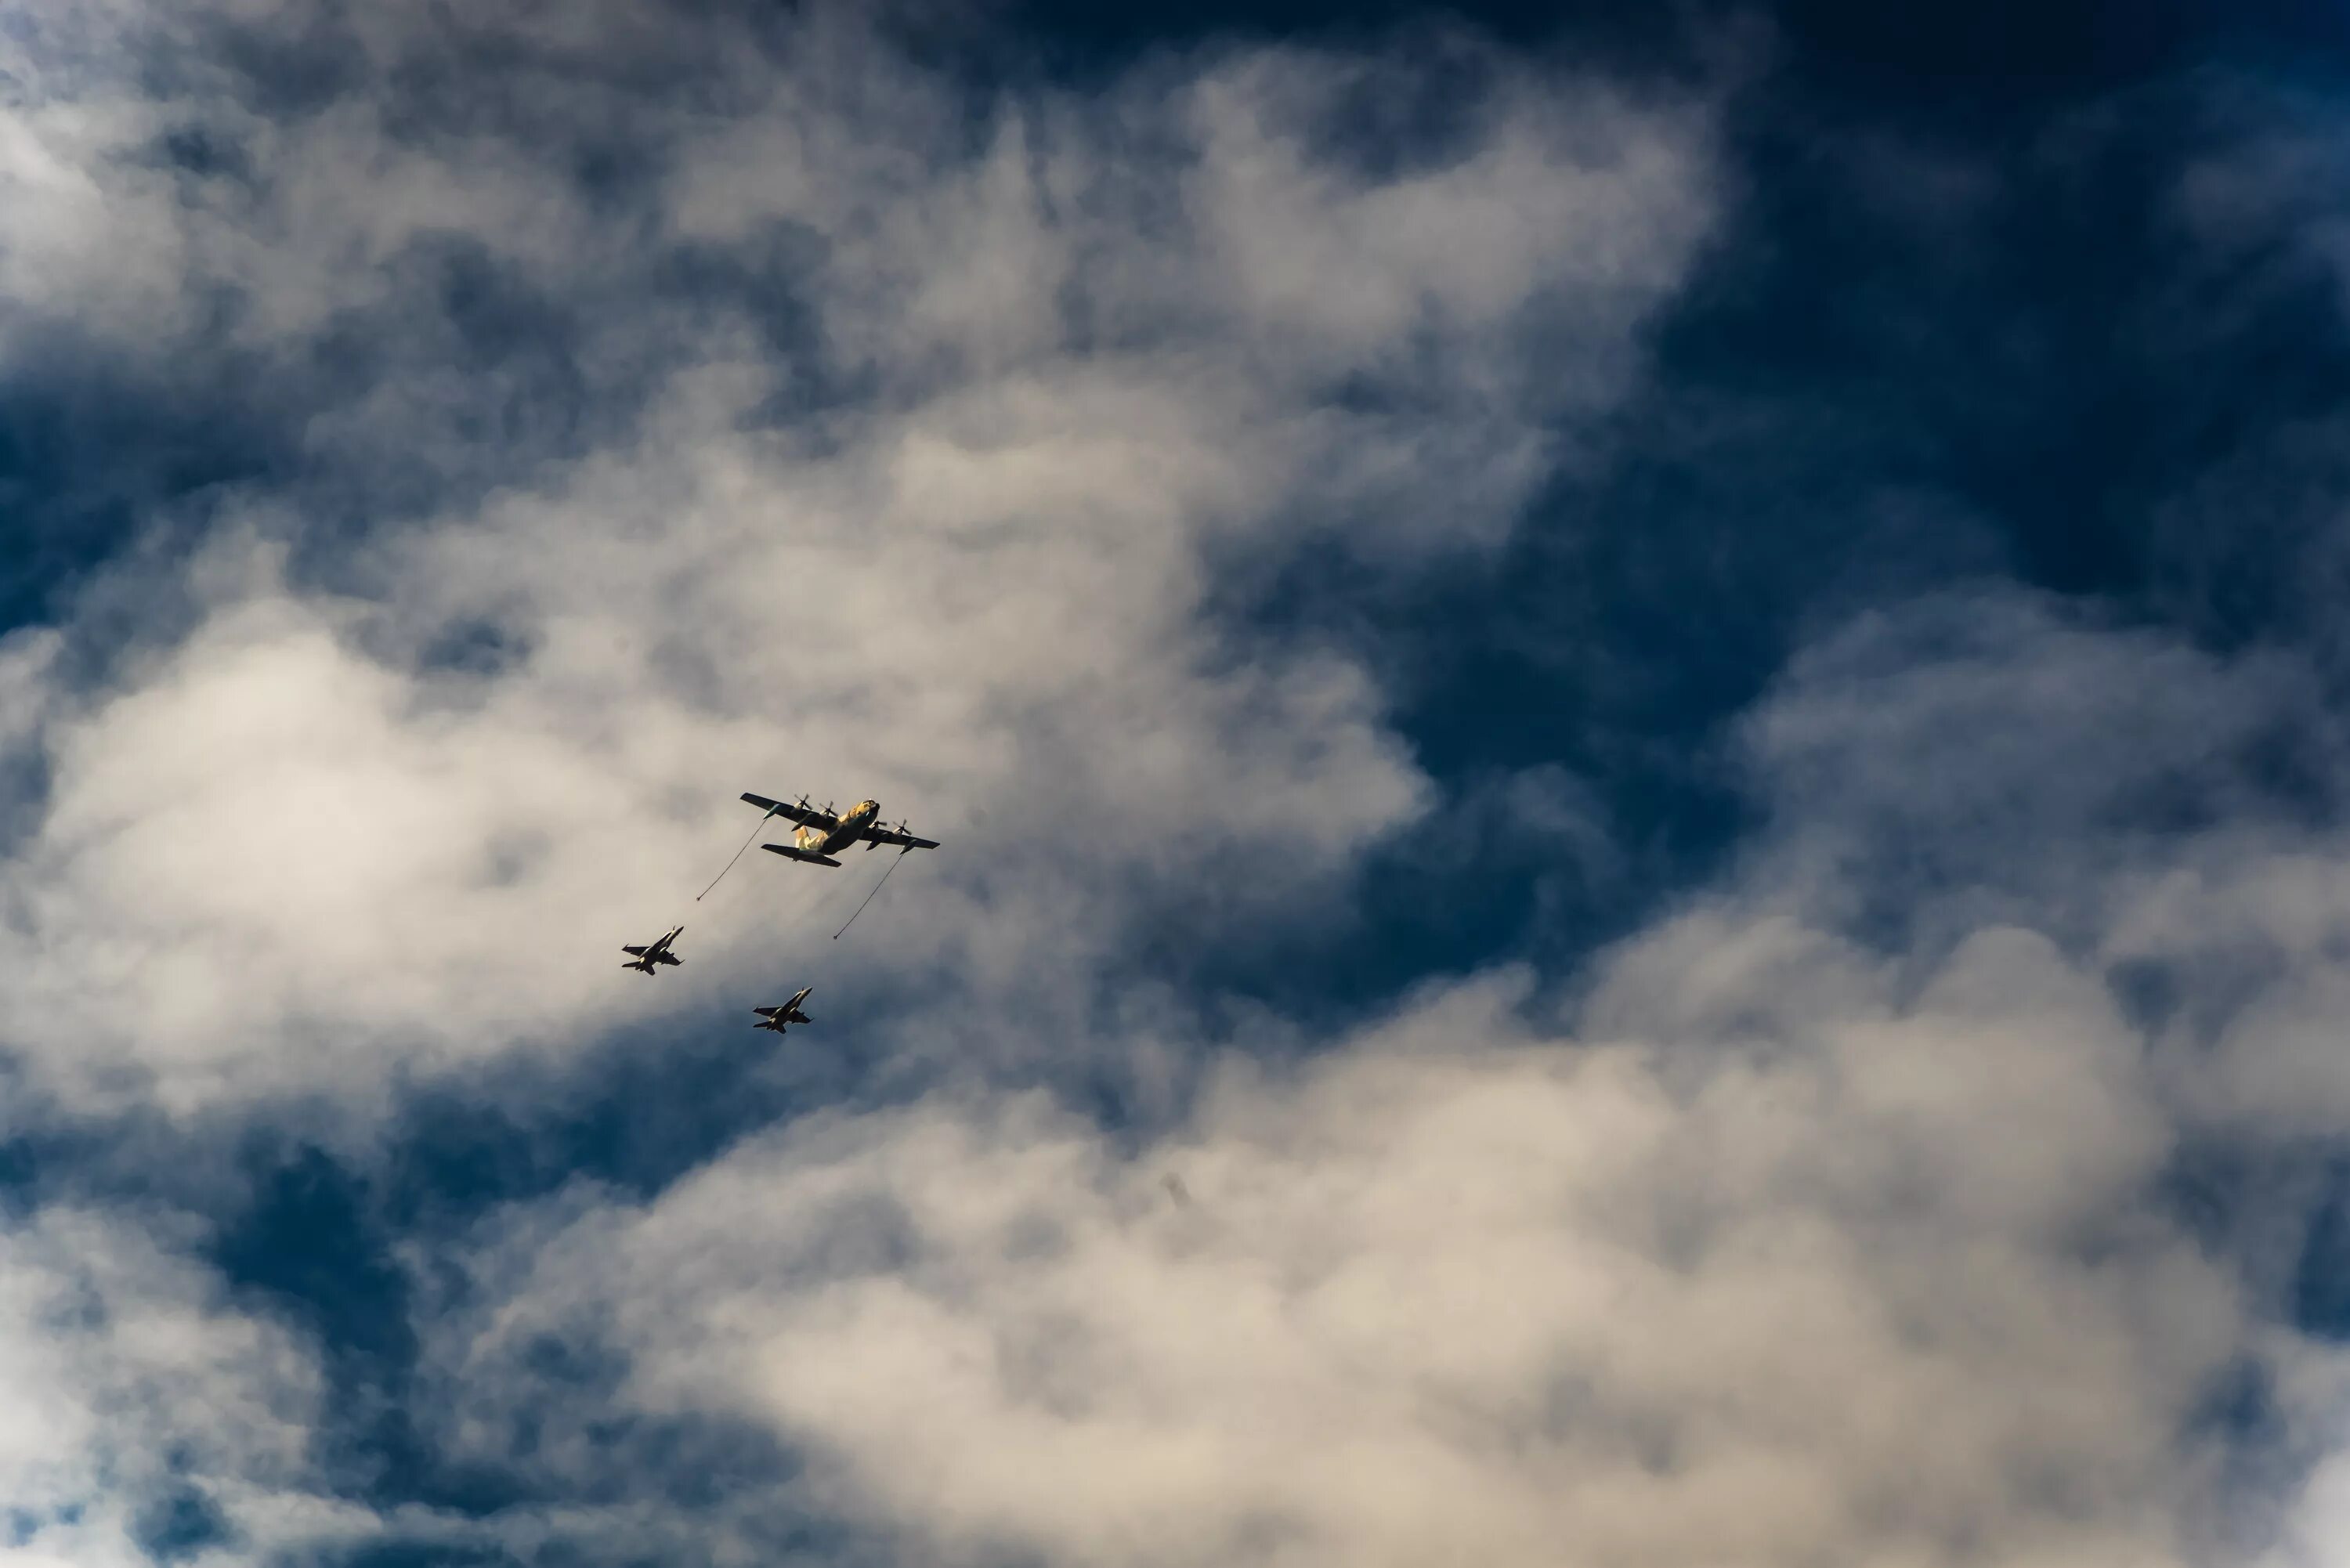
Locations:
824 841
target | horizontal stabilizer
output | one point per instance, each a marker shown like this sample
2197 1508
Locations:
789 852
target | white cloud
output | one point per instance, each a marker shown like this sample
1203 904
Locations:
1825 1228
293 846
130 1381
1834 1226
1878 1287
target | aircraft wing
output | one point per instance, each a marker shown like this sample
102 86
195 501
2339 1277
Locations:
902 840
790 853
805 816
640 952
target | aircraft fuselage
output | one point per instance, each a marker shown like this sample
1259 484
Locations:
775 1018
847 831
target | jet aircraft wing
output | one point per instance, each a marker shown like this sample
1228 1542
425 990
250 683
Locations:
805 816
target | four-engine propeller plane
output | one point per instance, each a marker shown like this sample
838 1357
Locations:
655 952
823 833
789 1013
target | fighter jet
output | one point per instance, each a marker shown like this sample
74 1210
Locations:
789 1013
657 953
822 833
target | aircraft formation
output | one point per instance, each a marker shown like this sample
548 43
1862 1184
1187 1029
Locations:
820 834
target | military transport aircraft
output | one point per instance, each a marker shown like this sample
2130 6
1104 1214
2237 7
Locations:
656 953
789 1013
821 832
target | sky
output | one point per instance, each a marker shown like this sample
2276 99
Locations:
1637 719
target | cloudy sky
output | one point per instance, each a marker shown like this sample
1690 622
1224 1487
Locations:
1640 723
